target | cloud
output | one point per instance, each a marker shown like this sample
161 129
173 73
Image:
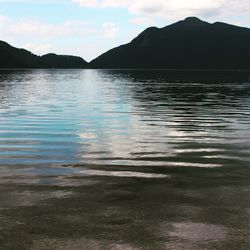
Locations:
86 3
114 3
3 20
161 8
143 21
173 8
30 28
110 30
38 49
36 1
103 3
77 37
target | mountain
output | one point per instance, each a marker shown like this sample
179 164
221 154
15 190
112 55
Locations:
11 57
187 44
63 62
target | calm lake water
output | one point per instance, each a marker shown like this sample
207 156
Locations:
93 159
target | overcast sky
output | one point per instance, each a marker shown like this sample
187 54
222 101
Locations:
90 27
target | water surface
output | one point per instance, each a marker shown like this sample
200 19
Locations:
93 159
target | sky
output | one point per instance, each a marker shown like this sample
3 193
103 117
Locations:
88 28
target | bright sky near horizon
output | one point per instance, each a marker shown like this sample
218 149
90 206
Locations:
90 27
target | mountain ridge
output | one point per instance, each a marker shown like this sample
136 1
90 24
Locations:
19 58
187 44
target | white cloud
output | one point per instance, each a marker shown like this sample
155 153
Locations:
162 8
86 3
3 19
30 28
173 8
114 3
38 49
143 21
69 37
102 3
36 1
110 30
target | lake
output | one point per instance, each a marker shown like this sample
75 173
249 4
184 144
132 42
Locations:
124 159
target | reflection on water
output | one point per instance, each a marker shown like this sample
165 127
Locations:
123 117
124 159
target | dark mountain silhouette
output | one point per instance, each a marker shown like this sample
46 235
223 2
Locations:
62 61
187 44
11 57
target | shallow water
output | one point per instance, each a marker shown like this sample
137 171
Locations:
124 159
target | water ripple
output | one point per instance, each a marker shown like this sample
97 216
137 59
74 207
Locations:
112 117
